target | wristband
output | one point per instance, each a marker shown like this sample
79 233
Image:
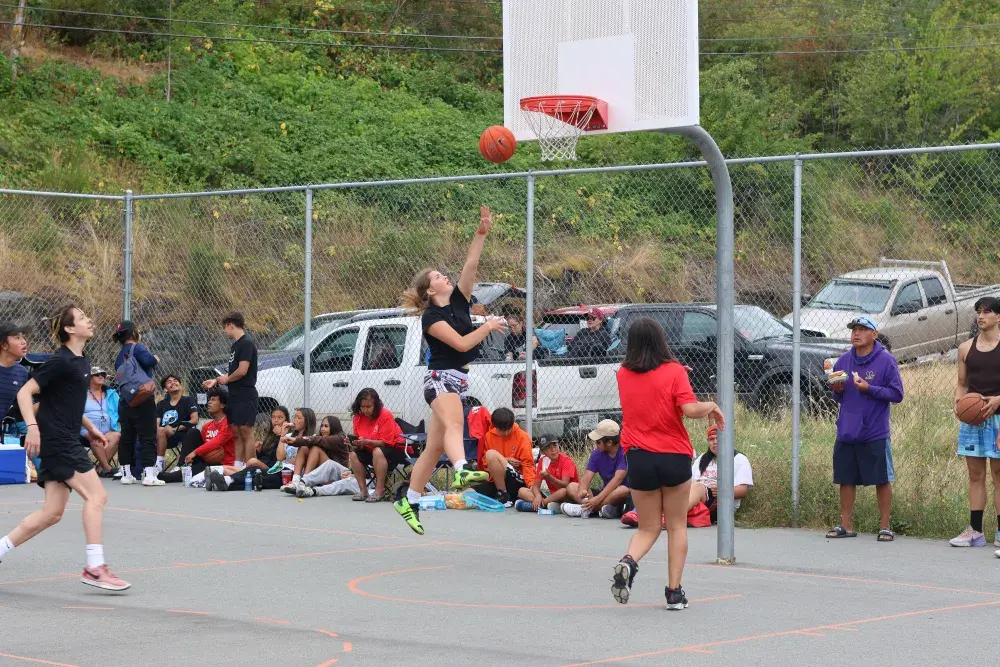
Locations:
30 425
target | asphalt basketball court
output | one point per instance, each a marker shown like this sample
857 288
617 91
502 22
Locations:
264 579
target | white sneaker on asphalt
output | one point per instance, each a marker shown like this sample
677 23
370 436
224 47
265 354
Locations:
572 509
121 472
997 553
969 538
128 479
149 478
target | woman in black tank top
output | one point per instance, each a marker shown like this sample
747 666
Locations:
454 343
983 370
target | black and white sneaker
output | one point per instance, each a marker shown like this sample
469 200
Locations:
676 599
621 583
216 482
504 498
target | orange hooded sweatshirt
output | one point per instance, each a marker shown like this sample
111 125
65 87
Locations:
516 445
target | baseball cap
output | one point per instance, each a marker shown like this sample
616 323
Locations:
607 428
863 321
595 312
10 329
713 430
544 442
97 370
122 330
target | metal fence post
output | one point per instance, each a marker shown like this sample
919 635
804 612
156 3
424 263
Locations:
725 300
796 336
306 348
529 315
127 290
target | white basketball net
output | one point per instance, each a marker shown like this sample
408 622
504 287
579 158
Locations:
557 138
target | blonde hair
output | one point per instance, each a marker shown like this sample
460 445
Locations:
415 299
58 324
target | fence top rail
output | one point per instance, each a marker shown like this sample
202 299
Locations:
525 174
65 195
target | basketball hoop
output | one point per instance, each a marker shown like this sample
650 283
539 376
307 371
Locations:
559 120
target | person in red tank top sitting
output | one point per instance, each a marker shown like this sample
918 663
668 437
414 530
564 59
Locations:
979 372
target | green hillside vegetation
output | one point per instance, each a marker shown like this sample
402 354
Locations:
88 112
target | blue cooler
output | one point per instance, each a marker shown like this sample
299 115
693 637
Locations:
13 464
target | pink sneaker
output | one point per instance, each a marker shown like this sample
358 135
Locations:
101 577
630 519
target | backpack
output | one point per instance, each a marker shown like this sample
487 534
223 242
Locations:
134 383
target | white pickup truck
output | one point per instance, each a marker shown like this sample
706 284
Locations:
918 310
389 354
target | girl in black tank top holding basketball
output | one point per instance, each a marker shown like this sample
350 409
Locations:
453 341
979 372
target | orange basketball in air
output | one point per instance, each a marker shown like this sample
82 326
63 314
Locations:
497 144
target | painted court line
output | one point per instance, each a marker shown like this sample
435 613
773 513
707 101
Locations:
190 611
327 633
353 586
347 647
90 608
786 633
328 663
35 660
271 620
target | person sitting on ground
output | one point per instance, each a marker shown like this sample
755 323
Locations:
332 477
102 411
705 474
607 462
594 340
267 449
507 457
378 444
330 445
479 422
211 446
515 342
176 413
296 448
555 471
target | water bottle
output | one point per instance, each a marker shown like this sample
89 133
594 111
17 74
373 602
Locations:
248 481
523 506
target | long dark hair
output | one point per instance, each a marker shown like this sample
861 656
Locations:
310 418
334 423
647 346
368 392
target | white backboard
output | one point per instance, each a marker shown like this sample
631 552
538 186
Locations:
640 56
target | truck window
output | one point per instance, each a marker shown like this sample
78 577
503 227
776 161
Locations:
698 327
909 294
669 320
384 348
336 353
934 291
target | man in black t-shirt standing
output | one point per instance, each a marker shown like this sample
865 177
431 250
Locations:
242 382
61 385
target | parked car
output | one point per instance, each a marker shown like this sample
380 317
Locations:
918 309
280 371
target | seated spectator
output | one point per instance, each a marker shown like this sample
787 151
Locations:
378 444
555 471
330 445
213 445
515 343
13 375
479 422
594 340
705 474
267 449
176 413
507 457
101 409
303 424
332 477
607 462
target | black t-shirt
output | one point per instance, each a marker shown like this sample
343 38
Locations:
243 350
515 344
457 313
63 380
172 415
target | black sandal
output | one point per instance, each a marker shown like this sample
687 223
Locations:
885 535
838 532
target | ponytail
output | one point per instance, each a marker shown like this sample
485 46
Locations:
415 299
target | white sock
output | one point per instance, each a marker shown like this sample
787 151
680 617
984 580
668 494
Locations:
127 471
6 546
159 464
239 464
229 480
95 555
296 479
412 496
460 464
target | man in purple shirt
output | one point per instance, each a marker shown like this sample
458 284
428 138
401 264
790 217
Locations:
607 461
862 455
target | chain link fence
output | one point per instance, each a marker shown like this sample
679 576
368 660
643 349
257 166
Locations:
608 247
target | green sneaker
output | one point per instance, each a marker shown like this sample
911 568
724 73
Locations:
410 514
466 477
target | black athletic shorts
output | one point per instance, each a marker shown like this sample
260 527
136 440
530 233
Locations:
514 484
649 471
63 463
242 412
395 457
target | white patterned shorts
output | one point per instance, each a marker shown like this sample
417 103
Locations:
445 382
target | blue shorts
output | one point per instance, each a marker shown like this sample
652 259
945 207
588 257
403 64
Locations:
980 441
863 463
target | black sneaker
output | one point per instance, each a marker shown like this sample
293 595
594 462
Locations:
676 599
504 498
258 480
216 482
625 571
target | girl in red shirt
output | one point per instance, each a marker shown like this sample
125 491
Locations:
655 395
378 444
